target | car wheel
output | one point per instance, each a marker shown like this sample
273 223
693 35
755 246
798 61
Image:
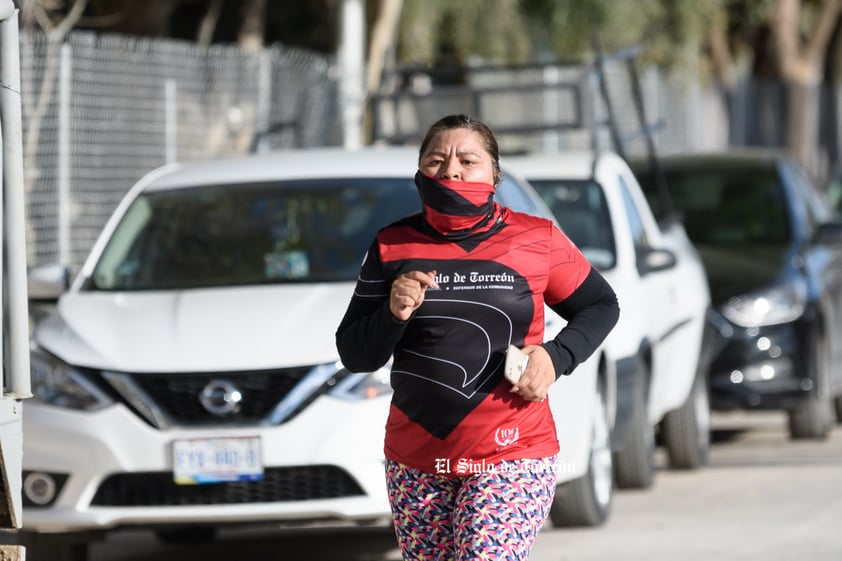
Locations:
50 547
811 418
586 501
686 430
634 462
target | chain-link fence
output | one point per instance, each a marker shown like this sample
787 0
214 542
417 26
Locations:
102 110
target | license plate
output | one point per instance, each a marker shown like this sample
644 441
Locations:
217 460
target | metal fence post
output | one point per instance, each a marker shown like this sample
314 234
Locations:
171 121
551 78
64 170
263 120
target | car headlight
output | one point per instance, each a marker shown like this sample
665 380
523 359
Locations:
60 384
775 305
364 385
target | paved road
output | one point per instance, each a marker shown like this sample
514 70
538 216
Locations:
762 498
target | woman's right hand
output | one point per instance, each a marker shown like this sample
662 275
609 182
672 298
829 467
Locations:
408 292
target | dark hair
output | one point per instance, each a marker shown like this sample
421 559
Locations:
465 122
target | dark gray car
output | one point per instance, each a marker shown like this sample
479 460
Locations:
773 253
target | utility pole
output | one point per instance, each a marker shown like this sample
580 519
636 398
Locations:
352 72
14 351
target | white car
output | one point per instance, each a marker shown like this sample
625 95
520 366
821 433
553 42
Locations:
657 348
188 378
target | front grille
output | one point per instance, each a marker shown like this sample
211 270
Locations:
177 395
174 399
282 484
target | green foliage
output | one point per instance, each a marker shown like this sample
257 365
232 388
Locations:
752 12
493 30
513 31
674 33
667 28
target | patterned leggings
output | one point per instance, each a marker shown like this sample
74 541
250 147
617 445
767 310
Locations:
495 514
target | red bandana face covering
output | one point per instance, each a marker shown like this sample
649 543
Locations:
456 209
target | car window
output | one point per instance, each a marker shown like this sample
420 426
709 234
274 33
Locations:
815 208
800 202
646 178
225 235
728 206
511 194
582 213
638 231
833 192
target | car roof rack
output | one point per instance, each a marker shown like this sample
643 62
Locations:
646 131
547 107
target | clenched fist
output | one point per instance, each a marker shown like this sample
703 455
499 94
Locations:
408 292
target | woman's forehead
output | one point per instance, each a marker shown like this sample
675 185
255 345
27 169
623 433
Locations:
461 141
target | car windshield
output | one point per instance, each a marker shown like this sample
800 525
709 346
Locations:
582 212
226 235
728 207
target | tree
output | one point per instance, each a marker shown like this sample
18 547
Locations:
785 41
800 60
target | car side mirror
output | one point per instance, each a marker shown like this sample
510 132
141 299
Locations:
654 260
829 233
45 283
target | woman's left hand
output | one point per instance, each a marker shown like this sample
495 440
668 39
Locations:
538 377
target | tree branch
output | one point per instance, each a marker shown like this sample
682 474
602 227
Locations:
822 32
381 43
208 25
253 24
723 60
69 21
802 61
784 25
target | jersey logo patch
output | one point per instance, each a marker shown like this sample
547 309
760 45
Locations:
506 437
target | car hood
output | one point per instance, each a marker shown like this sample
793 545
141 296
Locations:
737 271
206 330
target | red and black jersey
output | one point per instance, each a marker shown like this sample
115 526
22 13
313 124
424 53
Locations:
450 399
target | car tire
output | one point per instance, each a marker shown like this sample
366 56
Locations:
811 418
586 501
837 408
52 547
686 431
634 462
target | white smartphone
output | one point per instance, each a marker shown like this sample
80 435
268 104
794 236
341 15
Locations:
516 362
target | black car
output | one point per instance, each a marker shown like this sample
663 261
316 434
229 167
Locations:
772 248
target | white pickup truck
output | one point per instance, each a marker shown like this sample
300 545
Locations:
657 348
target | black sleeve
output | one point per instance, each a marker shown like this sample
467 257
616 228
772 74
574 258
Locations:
591 312
368 333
